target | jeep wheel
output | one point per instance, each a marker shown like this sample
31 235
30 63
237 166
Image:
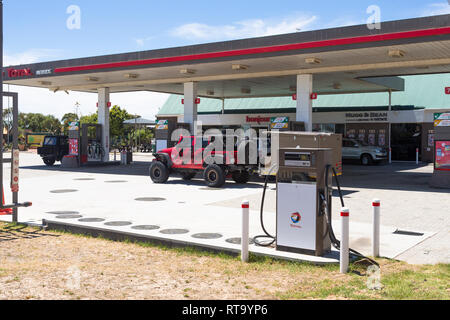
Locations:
49 161
159 173
187 176
241 177
214 176
366 160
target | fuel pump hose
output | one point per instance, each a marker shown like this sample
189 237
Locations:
267 235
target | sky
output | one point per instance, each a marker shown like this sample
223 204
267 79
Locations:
36 31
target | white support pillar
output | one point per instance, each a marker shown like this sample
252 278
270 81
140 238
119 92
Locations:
103 119
190 107
390 127
304 102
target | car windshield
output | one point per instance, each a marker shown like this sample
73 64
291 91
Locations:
50 141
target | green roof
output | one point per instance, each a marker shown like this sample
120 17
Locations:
422 91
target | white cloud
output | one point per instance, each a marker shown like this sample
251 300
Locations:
435 9
243 29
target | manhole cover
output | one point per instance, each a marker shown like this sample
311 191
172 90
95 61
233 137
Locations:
238 241
207 236
118 223
69 216
64 191
150 199
92 220
61 213
84 179
174 231
116 181
145 228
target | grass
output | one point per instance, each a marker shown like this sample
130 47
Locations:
213 275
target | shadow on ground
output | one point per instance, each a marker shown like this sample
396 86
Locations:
396 176
11 233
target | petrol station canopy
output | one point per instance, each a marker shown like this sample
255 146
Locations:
342 60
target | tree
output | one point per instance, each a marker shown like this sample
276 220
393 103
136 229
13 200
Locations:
67 119
90 119
39 123
117 117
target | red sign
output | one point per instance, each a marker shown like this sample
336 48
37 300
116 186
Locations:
313 96
442 155
447 90
197 101
15 73
108 104
257 119
73 147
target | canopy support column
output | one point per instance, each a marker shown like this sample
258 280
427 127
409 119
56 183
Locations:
190 105
304 102
103 119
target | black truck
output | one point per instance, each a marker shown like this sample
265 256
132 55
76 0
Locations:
54 149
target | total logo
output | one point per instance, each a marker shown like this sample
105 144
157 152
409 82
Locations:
16 73
296 218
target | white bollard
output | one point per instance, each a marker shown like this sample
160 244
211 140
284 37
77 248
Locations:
345 229
245 230
376 228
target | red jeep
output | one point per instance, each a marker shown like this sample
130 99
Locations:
188 158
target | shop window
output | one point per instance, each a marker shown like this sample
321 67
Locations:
328 128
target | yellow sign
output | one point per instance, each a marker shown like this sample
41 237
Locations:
35 140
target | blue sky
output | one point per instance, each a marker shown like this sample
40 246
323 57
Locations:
36 30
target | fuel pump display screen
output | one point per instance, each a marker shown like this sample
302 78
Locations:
298 159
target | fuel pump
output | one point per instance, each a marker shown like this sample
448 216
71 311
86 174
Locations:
303 200
304 203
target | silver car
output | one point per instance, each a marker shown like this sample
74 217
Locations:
359 150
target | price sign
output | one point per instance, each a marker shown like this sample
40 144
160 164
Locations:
15 171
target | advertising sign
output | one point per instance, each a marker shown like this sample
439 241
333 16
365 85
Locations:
382 138
162 125
371 137
74 126
430 140
442 155
279 123
362 135
35 140
357 117
442 119
73 147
